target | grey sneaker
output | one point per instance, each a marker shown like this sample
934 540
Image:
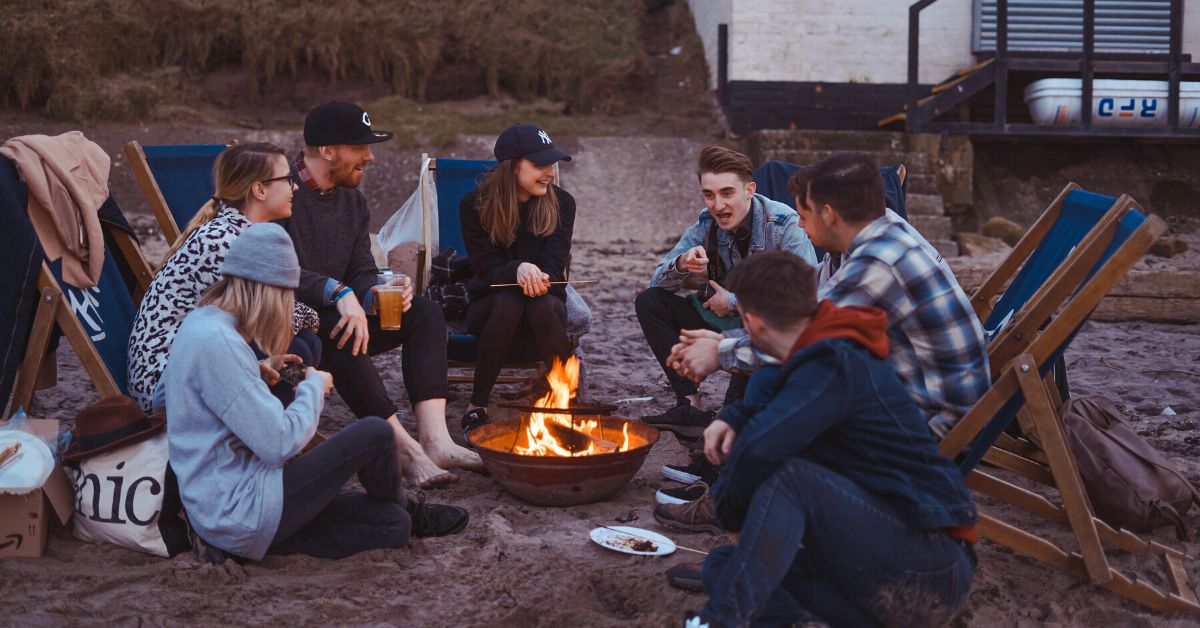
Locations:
681 494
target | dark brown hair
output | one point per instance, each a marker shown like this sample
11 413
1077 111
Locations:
775 286
719 160
847 182
498 211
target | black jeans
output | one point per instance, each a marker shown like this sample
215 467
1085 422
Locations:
505 315
422 334
320 520
663 314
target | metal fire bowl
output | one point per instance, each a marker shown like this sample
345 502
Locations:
560 481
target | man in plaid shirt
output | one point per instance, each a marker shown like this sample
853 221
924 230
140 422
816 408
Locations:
937 343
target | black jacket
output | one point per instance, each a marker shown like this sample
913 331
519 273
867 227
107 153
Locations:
493 264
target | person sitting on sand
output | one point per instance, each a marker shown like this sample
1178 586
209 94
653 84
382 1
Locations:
253 184
517 226
329 228
735 224
233 446
831 483
937 343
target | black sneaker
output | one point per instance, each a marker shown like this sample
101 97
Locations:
681 494
435 519
686 576
684 420
208 554
474 419
699 471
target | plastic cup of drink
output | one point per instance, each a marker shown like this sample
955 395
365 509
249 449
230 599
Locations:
390 302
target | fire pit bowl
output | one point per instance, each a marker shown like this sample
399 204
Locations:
561 480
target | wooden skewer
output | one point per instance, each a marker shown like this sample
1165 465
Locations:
648 540
574 282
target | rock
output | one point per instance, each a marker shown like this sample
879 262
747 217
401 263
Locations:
1003 229
976 245
1168 247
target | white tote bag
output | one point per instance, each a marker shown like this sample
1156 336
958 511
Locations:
129 497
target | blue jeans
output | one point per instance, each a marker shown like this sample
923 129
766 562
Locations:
321 520
817 547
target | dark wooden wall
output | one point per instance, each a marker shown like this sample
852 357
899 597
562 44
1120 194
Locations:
751 105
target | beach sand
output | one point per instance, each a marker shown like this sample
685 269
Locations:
522 565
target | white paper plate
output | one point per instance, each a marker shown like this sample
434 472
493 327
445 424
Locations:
623 539
31 467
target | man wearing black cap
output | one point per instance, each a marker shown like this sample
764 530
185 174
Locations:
329 226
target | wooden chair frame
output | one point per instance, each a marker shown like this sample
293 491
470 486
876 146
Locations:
52 310
1035 343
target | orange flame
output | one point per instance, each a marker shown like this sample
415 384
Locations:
537 438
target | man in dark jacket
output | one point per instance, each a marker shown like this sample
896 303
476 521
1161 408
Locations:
841 507
329 226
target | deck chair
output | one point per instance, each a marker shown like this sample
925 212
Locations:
176 180
96 321
1041 330
452 179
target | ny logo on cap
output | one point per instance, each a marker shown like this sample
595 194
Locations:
366 119
545 137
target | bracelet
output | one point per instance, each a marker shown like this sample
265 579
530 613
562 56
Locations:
341 293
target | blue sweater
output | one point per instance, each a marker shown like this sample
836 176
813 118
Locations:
228 436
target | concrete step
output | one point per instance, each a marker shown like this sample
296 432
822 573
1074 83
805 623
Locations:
915 163
918 183
948 248
924 204
932 227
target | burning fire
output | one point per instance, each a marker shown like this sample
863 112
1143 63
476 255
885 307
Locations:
553 434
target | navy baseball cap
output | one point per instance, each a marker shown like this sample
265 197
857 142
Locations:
340 123
530 142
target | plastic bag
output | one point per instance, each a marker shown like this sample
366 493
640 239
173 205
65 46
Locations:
57 443
405 230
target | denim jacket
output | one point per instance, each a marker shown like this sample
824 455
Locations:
836 404
773 227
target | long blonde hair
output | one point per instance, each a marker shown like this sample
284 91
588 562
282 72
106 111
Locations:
263 312
498 211
235 172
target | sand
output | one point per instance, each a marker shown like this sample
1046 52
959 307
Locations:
521 565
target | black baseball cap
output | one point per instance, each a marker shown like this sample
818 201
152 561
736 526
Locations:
340 123
530 142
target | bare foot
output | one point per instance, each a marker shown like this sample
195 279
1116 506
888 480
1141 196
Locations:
421 471
447 454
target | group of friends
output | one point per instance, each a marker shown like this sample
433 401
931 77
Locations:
821 465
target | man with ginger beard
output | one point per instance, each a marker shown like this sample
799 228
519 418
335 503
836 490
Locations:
329 227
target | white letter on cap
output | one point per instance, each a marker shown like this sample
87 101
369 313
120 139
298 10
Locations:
366 119
545 137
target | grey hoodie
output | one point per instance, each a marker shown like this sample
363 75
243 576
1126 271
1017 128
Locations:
228 436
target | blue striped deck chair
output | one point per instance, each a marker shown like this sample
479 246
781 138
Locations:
453 178
1039 332
176 180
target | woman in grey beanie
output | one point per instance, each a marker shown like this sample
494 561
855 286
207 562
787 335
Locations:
237 451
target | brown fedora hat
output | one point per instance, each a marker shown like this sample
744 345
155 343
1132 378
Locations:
108 424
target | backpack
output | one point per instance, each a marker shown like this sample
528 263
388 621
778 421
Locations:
1130 484
449 273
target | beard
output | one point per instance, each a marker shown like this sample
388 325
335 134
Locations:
345 173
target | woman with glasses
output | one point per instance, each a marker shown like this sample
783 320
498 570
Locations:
253 184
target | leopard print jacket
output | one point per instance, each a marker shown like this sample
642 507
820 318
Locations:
173 295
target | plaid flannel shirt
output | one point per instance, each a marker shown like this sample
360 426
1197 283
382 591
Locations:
937 343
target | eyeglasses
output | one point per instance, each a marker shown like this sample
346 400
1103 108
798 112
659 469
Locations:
287 177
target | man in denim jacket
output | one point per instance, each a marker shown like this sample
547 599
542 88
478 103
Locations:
841 507
735 224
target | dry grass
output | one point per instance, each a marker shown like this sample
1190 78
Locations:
121 59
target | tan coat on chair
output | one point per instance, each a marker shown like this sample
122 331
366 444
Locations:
67 178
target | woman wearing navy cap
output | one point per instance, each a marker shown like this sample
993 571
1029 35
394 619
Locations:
517 226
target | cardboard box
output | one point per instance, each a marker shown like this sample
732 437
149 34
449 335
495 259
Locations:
25 519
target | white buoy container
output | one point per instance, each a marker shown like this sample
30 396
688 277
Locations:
1115 102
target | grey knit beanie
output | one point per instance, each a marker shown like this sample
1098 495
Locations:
263 253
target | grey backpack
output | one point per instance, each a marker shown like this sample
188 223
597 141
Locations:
1130 484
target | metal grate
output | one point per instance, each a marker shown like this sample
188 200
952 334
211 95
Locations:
1134 26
